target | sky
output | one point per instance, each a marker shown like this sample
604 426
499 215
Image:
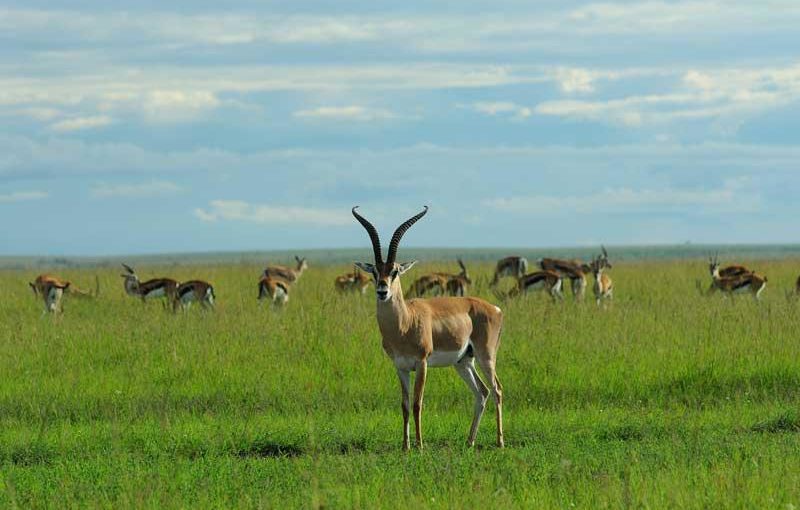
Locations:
183 126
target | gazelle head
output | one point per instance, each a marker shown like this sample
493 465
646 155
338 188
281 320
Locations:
598 264
302 264
386 273
131 280
463 272
713 265
604 258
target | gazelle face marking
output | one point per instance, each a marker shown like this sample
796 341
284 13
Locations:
387 278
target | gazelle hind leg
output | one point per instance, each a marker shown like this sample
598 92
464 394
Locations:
487 367
466 369
419 390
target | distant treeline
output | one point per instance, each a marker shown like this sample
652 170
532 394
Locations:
345 256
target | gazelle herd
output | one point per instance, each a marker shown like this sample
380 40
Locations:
448 329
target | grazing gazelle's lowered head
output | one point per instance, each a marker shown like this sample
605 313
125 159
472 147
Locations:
435 332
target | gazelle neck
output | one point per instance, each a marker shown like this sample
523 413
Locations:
393 313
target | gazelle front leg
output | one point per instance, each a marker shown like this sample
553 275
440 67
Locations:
419 388
405 404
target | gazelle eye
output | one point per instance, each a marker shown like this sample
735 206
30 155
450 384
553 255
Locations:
394 273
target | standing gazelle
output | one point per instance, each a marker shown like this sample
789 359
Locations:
435 332
603 286
287 273
153 288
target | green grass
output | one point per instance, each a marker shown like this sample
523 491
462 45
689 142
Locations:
666 399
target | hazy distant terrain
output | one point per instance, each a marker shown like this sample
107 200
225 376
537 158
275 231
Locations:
347 255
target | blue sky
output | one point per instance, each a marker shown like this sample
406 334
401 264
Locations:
133 127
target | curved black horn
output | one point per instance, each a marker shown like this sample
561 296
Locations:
128 268
398 234
373 236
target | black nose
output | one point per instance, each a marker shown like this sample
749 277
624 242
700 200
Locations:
382 293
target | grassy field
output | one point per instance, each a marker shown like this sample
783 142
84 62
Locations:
667 399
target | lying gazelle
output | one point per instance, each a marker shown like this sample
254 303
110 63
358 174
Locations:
356 281
725 272
435 332
154 288
539 281
287 273
603 286
513 266
194 291
275 289
729 285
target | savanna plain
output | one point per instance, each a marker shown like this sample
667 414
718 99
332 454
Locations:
665 399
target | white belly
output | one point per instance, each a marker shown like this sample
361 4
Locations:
435 359
188 297
155 293
447 358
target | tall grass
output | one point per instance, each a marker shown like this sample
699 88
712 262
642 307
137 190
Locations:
667 398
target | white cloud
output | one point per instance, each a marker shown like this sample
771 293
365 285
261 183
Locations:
731 197
494 108
238 210
142 190
358 113
23 196
178 105
81 123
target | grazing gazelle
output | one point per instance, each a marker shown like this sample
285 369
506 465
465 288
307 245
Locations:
749 282
575 270
287 273
458 284
603 286
434 284
539 281
513 266
356 281
275 289
154 288
52 292
194 290
42 280
435 332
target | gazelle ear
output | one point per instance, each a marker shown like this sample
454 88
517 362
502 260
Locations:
406 266
366 267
